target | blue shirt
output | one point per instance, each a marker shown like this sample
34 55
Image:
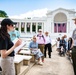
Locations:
14 34
33 45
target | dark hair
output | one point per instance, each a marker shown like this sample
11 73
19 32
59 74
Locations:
58 39
3 29
3 32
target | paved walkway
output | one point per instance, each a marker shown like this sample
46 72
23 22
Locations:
53 66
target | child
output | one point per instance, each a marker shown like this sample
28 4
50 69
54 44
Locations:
58 44
62 50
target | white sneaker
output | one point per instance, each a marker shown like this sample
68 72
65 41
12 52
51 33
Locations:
40 63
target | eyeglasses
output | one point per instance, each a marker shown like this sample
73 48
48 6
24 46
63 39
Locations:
13 26
40 31
34 38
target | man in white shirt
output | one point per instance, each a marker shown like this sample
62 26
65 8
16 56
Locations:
47 45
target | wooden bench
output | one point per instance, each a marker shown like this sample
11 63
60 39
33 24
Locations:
21 60
18 62
25 52
26 59
28 52
25 48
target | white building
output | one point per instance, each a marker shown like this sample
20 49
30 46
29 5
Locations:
57 22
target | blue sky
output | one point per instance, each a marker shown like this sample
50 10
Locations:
17 7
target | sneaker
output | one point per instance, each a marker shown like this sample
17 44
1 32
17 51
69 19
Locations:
40 63
49 57
43 61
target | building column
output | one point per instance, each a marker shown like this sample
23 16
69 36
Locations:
43 27
25 27
20 27
67 27
52 27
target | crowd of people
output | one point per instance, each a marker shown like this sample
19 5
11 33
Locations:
65 44
38 46
68 46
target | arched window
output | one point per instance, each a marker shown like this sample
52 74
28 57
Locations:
60 23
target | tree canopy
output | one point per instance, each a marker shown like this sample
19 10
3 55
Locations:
3 13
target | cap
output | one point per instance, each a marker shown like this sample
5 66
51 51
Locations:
40 29
7 21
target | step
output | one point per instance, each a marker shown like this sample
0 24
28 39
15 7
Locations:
18 62
21 60
25 69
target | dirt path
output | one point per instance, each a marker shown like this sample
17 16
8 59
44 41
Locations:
53 66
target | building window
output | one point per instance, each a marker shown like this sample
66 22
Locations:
60 27
39 25
17 26
64 27
34 27
22 26
28 27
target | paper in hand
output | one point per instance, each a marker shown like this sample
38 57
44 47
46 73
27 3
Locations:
19 47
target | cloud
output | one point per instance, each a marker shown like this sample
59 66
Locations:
34 13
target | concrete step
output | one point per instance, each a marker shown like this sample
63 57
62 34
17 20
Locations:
24 69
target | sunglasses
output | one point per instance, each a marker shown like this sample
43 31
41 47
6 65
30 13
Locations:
34 38
13 25
40 31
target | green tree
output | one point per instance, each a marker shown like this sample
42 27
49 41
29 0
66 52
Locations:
3 13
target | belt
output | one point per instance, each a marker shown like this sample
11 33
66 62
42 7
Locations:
41 44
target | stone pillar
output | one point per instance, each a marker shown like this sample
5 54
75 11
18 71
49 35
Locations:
42 26
31 28
68 27
20 27
52 27
25 27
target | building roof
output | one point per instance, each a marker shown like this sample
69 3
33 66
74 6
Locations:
68 10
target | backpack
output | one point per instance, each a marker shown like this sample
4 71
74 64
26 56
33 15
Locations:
42 37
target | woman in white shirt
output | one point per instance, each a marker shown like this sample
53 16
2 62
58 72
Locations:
47 45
